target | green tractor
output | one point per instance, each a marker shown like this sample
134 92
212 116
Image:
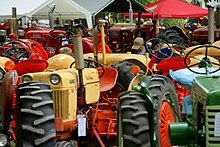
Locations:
149 114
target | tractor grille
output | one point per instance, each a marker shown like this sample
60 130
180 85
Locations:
211 139
61 103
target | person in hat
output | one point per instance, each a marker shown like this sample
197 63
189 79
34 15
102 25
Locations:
66 50
138 47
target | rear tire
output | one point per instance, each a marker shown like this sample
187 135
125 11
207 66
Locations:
125 74
133 126
35 116
160 88
170 36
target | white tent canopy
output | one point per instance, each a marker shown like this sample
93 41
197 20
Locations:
65 9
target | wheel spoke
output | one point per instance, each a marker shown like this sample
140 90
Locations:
218 64
159 43
164 55
206 51
166 116
196 58
193 65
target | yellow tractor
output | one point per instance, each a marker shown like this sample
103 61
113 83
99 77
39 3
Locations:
72 102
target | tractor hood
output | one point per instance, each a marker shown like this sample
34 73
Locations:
208 88
59 61
68 79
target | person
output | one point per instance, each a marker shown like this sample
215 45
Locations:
66 50
204 21
138 47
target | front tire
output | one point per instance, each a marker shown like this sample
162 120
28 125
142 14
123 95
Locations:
35 116
133 126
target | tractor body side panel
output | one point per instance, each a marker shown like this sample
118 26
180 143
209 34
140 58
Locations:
206 103
209 83
7 101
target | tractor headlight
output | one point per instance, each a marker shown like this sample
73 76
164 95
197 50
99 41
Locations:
26 78
2 73
55 79
3 140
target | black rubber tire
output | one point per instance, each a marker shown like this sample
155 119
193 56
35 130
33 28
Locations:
159 88
133 120
125 75
171 36
35 116
64 144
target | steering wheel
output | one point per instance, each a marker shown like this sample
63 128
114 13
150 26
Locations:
87 64
27 20
17 50
204 62
191 24
159 43
56 35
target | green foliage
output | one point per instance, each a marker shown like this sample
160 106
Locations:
172 22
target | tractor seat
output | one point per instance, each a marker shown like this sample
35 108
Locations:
108 80
185 76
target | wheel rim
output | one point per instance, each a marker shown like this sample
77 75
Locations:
166 116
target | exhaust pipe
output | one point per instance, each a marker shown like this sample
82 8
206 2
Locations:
95 42
13 22
211 37
101 24
78 52
79 65
50 15
130 13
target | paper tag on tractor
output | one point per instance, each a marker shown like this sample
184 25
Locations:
81 124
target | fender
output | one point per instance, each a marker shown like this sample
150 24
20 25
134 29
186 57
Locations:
135 81
7 97
141 65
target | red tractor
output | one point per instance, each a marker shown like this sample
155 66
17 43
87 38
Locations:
25 53
120 37
51 39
